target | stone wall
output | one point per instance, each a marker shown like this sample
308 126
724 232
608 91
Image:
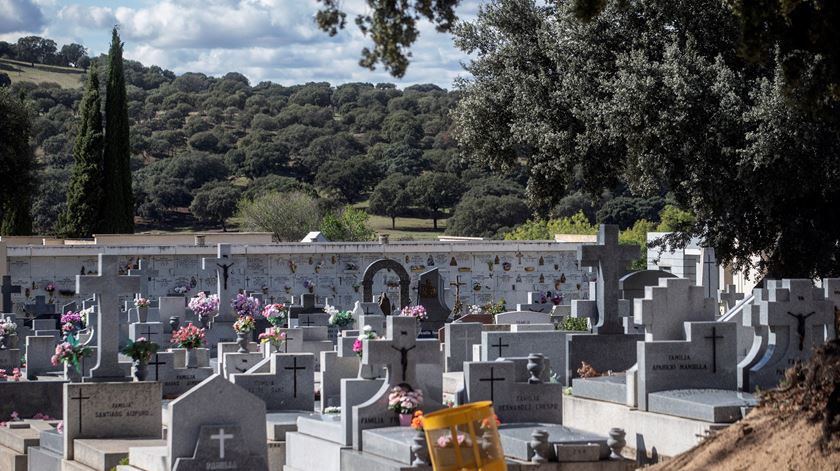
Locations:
490 269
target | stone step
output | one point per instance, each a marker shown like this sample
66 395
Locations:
327 430
43 459
276 455
280 423
352 459
19 436
390 443
75 466
452 381
53 441
104 454
307 452
148 458
12 460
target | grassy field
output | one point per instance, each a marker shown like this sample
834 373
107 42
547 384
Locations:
417 229
66 77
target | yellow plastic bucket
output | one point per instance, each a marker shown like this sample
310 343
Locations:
464 438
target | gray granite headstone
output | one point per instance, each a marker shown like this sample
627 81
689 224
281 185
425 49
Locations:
288 385
193 422
551 344
460 339
39 351
430 295
402 354
238 363
706 359
513 401
111 410
633 284
799 318
666 307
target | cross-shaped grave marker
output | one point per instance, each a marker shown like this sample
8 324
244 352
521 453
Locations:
499 345
710 275
714 338
271 377
400 351
609 259
221 437
295 368
41 308
222 263
730 297
157 364
8 289
668 305
80 397
108 286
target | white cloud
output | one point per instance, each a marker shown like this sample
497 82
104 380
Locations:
23 16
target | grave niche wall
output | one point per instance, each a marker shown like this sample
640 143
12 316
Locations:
491 270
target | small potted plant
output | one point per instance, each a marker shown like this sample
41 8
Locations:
331 414
142 304
309 285
204 306
140 351
244 305
274 337
70 352
276 314
404 401
190 338
50 289
338 318
243 327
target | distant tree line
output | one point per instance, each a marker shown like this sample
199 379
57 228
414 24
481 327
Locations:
35 49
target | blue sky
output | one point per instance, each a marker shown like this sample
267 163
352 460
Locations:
273 40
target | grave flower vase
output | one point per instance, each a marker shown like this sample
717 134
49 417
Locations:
405 420
191 358
204 321
72 374
2 342
13 341
141 369
174 323
242 341
143 314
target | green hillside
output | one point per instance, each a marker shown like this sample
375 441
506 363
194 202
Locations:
66 77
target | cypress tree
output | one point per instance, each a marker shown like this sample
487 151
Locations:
118 201
16 165
85 192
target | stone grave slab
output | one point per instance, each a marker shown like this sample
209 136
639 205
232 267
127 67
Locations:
392 443
706 359
611 388
221 265
605 352
632 285
531 327
334 368
709 405
238 363
430 295
523 317
236 415
580 445
288 385
150 330
111 410
39 351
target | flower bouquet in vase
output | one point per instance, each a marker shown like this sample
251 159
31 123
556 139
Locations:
243 328
190 338
418 312
70 352
8 330
274 337
340 319
142 304
140 351
404 401
204 306
276 314
245 305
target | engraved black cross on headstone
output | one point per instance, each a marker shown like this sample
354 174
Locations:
492 380
499 345
157 364
294 368
308 322
714 338
242 370
8 289
147 333
800 327
80 398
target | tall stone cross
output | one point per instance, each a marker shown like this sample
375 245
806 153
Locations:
108 286
709 278
41 308
146 274
400 351
609 259
730 297
222 263
8 289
